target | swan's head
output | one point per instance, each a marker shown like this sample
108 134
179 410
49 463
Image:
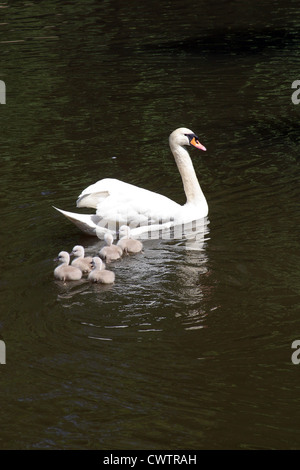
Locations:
96 262
63 257
184 136
124 231
78 251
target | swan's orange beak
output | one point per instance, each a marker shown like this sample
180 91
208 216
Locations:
195 143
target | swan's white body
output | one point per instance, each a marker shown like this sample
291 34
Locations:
118 203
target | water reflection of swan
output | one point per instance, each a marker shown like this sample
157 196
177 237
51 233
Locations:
166 287
119 203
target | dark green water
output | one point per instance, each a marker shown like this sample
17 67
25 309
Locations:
188 349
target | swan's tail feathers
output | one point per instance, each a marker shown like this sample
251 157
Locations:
87 223
91 199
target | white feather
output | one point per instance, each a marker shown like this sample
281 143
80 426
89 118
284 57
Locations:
118 203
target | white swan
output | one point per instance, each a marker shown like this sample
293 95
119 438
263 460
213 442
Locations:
118 203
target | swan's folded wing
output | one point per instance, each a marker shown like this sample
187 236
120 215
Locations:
88 223
126 203
91 199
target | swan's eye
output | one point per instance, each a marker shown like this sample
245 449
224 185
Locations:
193 139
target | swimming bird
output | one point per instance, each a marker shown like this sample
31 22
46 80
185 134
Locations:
110 252
128 244
65 272
80 261
103 276
121 203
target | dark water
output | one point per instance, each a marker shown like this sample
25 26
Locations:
188 349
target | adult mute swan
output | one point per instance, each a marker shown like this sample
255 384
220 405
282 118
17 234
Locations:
118 203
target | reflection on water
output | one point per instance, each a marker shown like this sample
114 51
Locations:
195 335
159 259
143 296
191 234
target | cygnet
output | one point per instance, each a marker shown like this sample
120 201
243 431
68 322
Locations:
65 272
100 275
110 252
128 244
80 261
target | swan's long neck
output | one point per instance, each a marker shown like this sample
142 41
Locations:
192 189
80 254
97 265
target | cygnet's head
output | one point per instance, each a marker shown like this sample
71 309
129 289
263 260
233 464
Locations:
78 251
184 136
63 257
96 262
108 238
124 231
